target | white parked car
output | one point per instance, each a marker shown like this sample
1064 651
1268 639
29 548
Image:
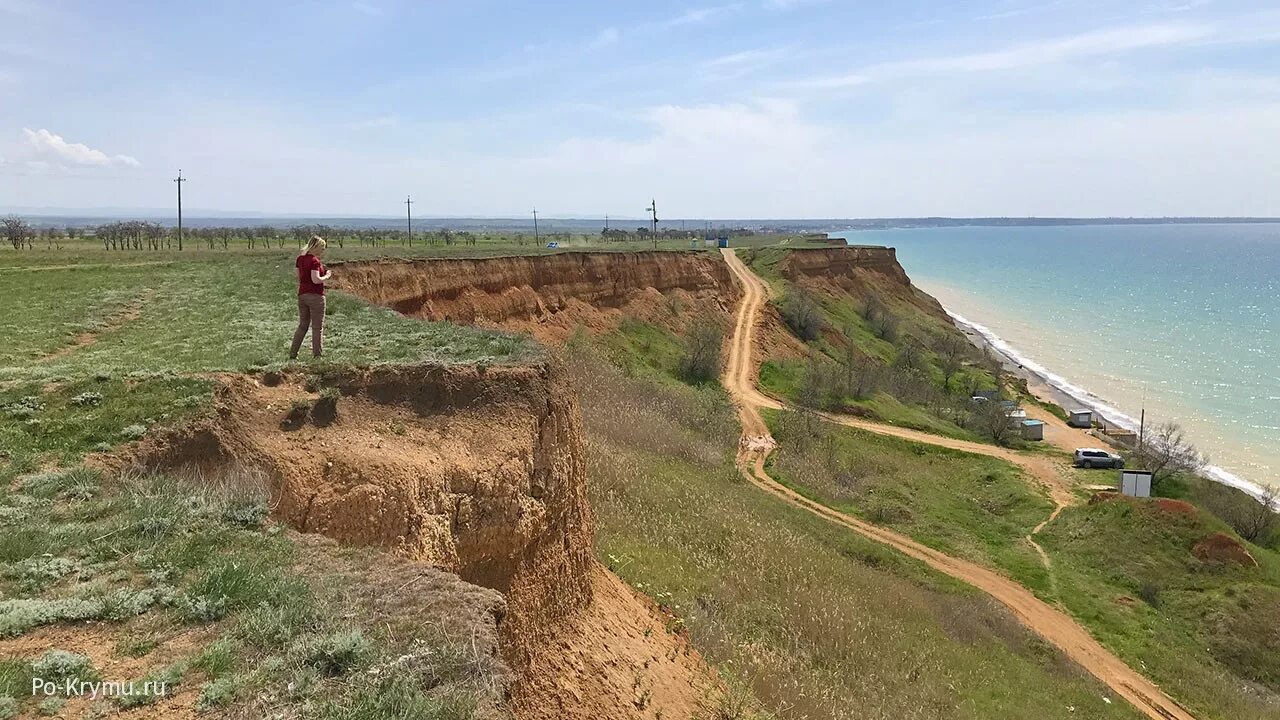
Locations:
1095 458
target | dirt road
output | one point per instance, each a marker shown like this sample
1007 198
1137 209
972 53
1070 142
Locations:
1045 620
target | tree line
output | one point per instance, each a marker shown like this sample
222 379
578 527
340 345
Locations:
146 235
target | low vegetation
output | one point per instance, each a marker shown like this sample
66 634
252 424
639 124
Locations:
811 619
1192 612
873 349
966 505
159 562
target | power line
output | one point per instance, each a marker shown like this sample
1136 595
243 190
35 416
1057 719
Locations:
408 217
179 180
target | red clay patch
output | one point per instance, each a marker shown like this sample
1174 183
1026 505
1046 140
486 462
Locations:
1222 548
1177 507
1103 496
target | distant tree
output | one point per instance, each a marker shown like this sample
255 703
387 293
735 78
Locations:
993 421
17 231
951 355
1257 521
1165 452
701 359
882 321
801 313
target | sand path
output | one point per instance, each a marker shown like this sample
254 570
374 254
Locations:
1050 623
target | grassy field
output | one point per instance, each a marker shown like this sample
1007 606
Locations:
191 585
971 506
811 619
1206 631
100 350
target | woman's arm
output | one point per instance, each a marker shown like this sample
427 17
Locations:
317 278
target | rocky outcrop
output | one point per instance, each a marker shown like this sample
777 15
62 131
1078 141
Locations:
546 295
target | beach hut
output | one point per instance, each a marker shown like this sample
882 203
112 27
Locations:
1080 418
1012 410
1135 483
1032 430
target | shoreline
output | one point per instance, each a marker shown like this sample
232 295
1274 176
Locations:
1049 386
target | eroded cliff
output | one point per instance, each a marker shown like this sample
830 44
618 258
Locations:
546 295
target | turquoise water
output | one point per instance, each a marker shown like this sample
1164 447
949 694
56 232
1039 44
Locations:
1183 320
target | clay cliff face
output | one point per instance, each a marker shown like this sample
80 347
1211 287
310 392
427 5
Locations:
858 271
479 472
548 296
843 261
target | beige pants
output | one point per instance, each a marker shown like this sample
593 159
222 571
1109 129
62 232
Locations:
310 314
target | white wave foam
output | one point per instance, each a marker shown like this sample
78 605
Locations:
1088 399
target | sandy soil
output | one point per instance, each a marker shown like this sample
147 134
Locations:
1045 620
478 473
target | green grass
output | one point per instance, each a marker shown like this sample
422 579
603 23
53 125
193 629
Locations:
1125 569
198 312
924 398
153 556
970 506
813 619
1206 632
229 315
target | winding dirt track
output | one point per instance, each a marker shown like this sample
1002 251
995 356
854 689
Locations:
1045 620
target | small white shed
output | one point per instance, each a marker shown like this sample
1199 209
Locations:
1032 430
1135 483
1080 418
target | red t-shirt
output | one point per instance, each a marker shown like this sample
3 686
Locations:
305 264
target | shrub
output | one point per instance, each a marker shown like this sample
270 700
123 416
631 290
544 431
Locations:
701 359
133 432
801 314
59 665
87 399
883 322
334 653
249 513
217 693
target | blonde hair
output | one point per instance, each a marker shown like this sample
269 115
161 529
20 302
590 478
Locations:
316 242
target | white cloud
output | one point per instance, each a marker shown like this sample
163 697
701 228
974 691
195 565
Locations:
697 15
605 37
367 9
1098 43
47 144
746 57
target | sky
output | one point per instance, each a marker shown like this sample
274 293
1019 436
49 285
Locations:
750 109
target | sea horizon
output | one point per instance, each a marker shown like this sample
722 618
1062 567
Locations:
1173 319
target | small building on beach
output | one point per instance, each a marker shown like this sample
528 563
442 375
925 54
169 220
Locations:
1080 418
1032 430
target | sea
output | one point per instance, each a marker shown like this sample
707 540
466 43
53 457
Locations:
1182 321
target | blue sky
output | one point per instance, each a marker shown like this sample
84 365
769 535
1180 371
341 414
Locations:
758 108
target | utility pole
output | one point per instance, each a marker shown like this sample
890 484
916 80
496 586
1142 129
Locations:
179 180
653 221
408 217
536 240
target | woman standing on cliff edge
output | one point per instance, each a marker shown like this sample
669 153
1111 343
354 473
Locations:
311 278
